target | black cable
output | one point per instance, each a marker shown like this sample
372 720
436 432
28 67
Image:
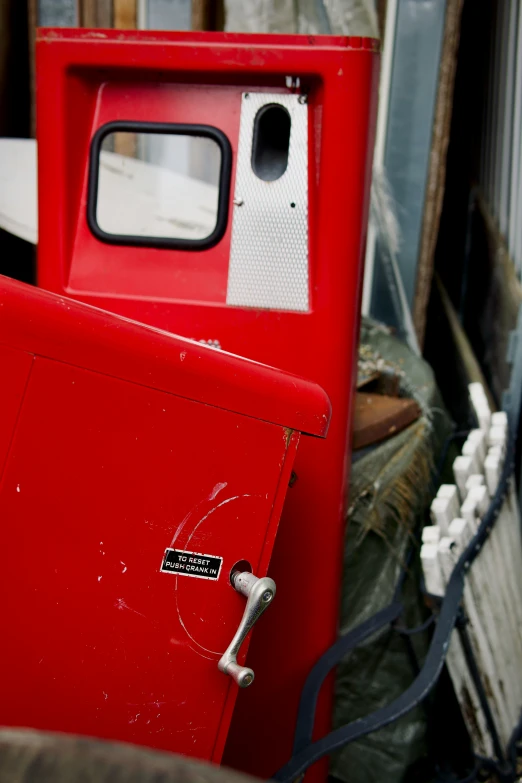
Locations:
306 713
418 629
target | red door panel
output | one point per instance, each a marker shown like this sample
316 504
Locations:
104 472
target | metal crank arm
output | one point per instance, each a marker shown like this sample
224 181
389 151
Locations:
259 594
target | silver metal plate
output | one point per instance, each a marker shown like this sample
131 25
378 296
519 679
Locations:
269 250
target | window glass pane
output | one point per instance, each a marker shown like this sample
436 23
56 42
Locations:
158 185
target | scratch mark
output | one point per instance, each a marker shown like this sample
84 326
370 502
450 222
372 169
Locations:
219 505
194 647
146 703
217 489
215 492
209 513
120 604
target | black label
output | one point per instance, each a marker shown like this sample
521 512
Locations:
177 561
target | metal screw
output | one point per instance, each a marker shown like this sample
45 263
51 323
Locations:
238 201
302 99
246 95
247 680
267 597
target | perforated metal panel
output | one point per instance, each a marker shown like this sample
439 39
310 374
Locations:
269 250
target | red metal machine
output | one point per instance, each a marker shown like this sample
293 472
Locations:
262 256
139 470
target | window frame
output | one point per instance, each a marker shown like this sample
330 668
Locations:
171 129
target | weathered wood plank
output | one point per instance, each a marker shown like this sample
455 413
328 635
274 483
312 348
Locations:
95 13
456 661
125 14
437 164
485 649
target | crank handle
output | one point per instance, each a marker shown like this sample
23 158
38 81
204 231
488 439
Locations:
259 594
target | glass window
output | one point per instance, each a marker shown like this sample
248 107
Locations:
158 185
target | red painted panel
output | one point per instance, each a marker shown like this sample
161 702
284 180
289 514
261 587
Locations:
59 328
15 368
101 642
112 269
103 474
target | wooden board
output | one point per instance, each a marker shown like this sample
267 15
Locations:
501 298
378 417
95 13
437 165
125 14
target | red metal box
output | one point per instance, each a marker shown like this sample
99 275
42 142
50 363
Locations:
216 186
118 443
